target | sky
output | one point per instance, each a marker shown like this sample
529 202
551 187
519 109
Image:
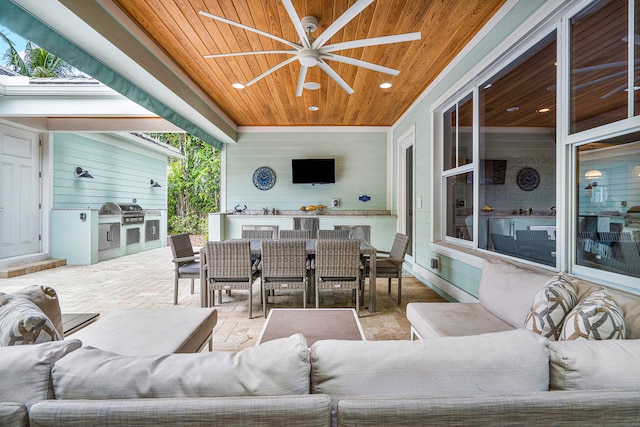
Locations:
18 41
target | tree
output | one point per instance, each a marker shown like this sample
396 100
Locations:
36 61
193 183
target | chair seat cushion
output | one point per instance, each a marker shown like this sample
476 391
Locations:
191 268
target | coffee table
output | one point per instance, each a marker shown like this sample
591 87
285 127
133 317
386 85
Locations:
314 323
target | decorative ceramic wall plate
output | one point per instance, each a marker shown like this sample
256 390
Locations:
528 179
264 178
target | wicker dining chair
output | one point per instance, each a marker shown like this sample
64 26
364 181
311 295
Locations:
229 268
258 234
333 234
337 266
389 263
284 267
186 261
295 234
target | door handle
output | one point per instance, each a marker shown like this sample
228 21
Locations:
109 237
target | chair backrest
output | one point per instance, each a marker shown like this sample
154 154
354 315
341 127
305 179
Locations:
228 259
333 234
284 259
338 258
295 234
273 228
307 223
615 236
181 246
532 235
400 245
504 244
361 232
257 234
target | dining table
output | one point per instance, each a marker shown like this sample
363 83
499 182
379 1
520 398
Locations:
256 249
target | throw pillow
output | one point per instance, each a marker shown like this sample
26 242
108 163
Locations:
22 322
550 307
46 299
597 317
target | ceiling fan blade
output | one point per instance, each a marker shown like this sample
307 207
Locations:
327 69
374 41
363 64
262 52
293 15
301 79
271 70
343 20
245 27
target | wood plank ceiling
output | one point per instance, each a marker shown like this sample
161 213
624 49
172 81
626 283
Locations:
186 36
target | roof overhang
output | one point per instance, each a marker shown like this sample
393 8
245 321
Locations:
90 37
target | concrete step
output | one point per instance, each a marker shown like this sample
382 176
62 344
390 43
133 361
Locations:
32 267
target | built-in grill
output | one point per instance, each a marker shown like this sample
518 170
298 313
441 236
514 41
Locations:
130 213
632 218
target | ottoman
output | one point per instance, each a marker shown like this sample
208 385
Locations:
145 332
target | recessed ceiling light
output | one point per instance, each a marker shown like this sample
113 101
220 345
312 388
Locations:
238 85
385 85
313 108
312 85
487 86
544 110
512 109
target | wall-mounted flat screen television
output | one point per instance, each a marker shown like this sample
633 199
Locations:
313 171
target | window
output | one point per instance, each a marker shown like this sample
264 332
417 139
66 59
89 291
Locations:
608 198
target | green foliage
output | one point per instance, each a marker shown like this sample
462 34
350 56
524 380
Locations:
193 183
37 62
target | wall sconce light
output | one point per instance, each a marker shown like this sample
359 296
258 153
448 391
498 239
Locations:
82 173
154 184
593 173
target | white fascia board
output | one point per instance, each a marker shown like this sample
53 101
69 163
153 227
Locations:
58 17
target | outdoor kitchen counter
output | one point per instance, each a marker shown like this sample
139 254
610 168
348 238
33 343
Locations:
382 223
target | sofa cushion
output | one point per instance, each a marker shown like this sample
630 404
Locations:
450 319
22 322
507 290
277 367
46 299
511 361
13 415
25 370
312 410
594 365
597 317
550 307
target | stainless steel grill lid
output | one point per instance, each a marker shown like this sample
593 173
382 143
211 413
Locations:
130 212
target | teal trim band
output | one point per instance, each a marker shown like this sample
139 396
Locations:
21 22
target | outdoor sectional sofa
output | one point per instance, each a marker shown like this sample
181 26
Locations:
512 377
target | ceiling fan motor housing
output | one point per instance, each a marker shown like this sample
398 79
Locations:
309 23
308 57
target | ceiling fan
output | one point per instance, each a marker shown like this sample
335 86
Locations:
312 51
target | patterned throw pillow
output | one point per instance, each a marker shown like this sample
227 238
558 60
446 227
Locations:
550 307
597 317
22 322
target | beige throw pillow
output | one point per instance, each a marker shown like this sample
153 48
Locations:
22 322
550 307
597 317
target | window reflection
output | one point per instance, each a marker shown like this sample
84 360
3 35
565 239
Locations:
459 207
609 206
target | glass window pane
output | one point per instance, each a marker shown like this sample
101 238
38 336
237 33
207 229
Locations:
517 165
450 138
599 65
465 131
609 205
636 56
459 206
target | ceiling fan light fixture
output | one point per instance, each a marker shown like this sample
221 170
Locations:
308 57
312 85
385 85
237 85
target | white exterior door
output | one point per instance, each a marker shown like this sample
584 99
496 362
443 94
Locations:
20 213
